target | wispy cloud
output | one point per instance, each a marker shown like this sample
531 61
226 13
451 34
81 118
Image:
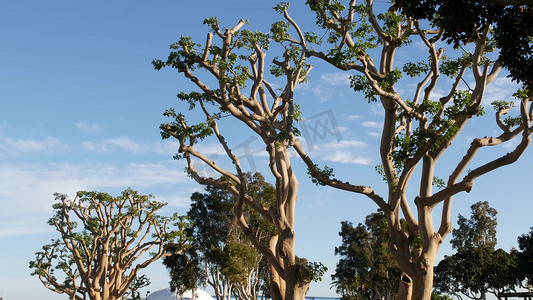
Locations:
353 117
123 143
328 86
501 88
371 124
376 109
16 147
118 143
35 184
344 144
350 158
323 93
336 79
88 128
344 151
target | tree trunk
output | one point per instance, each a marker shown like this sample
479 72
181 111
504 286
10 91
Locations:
277 285
297 282
294 288
423 283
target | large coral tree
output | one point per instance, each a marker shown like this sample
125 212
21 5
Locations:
234 60
419 126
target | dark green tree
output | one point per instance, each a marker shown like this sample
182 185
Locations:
474 272
366 269
479 230
138 283
220 255
477 268
525 244
185 270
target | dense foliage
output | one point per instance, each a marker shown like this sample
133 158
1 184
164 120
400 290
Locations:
474 272
525 243
479 230
477 268
462 21
366 269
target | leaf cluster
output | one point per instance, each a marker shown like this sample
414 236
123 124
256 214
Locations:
327 172
442 129
180 129
525 244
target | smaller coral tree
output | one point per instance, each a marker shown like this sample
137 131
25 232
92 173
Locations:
101 258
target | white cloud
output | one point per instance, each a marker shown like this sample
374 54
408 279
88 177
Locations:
26 190
16 147
353 117
347 157
501 88
336 79
438 92
166 147
345 151
371 124
118 143
376 109
88 128
511 145
344 144
343 129
322 93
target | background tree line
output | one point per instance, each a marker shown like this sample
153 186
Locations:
366 269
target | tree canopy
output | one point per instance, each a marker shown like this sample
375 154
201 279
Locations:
525 243
462 21
477 268
366 269
104 242
479 230
474 272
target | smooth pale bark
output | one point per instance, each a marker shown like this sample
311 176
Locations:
271 122
402 117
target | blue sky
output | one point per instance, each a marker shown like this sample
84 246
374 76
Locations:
80 106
